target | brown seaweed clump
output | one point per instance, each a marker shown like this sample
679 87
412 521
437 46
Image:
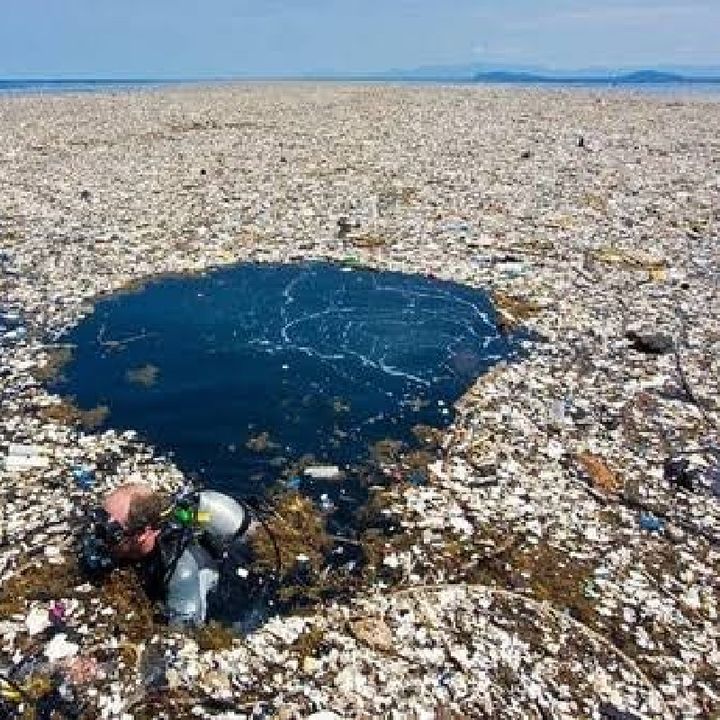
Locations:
261 443
57 358
309 644
387 451
66 412
146 375
134 613
295 534
547 573
513 311
94 417
176 703
39 581
431 437
43 582
214 636
368 241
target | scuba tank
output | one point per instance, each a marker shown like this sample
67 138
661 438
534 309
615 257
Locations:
220 520
223 517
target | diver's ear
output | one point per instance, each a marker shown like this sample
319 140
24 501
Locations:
146 539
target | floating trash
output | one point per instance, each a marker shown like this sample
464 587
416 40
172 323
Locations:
651 523
84 477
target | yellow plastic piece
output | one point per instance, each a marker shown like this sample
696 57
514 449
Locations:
203 516
658 274
9 693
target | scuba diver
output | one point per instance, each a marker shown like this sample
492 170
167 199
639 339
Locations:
186 546
182 543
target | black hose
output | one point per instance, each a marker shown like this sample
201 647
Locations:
254 513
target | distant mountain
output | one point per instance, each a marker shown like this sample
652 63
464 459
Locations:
509 76
639 77
485 72
447 73
652 76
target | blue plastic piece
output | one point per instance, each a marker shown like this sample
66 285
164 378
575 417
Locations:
417 478
651 523
84 476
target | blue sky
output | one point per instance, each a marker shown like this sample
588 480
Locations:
210 38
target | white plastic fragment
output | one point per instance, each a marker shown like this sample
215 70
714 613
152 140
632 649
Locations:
37 620
59 647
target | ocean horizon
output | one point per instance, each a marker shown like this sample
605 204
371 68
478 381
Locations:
96 85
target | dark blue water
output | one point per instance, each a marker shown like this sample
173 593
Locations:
244 370
76 86
21 87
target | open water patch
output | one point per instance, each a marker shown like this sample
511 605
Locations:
243 371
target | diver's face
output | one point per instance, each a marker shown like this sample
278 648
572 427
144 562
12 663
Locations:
137 545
